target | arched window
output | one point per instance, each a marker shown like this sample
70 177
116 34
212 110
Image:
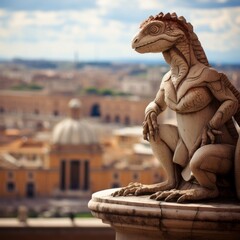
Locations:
39 126
30 190
55 113
10 175
30 176
63 175
127 120
2 110
117 119
115 176
36 111
95 110
115 185
75 169
10 186
135 177
107 118
86 176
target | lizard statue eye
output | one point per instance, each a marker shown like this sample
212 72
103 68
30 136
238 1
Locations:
155 29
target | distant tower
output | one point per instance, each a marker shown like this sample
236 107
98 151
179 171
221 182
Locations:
72 131
75 151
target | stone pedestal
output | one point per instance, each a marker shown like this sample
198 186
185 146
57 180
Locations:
141 218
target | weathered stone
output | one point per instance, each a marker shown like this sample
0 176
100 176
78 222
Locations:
200 152
142 218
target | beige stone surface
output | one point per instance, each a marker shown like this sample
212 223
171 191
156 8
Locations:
139 217
202 150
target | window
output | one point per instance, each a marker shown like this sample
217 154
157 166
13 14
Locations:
39 125
75 169
10 175
62 175
127 120
30 190
10 186
55 113
86 176
115 185
115 176
117 119
107 118
95 111
30 175
36 111
2 110
135 176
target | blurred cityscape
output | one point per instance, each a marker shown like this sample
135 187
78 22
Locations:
69 129
72 126
52 158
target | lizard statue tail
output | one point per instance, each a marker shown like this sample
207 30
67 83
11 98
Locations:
236 94
232 129
201 56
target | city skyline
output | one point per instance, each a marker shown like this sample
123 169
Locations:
99 30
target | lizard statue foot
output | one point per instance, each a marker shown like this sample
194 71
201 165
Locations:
142 189
180 196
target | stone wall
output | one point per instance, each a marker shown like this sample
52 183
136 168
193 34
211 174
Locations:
37 107
40 228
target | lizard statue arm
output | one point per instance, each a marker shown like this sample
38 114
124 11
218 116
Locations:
228 107
153 109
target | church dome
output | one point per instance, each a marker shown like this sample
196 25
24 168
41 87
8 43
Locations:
72 131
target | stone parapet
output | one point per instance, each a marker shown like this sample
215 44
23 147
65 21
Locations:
143 218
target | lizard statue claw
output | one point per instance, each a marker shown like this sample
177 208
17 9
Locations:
204 147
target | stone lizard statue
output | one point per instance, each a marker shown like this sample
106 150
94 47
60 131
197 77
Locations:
199 154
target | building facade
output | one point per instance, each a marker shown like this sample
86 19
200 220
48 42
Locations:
37 108
73 162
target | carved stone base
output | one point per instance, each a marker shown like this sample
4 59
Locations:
141 218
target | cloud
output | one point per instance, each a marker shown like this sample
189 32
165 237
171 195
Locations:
220 28
59 34
216 19
207 4
104 28
150 4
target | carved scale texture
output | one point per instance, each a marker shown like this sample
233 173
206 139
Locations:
183 68
198 50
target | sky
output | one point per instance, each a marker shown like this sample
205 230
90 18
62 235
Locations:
100 30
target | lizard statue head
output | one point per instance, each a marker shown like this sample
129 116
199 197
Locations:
160 33
168 31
